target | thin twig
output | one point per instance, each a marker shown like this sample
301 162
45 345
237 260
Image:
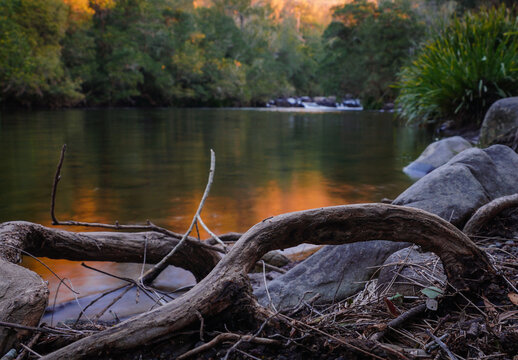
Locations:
54 303
30 350
113 302
351 346
30 344
249 338
30 328
273 268
226 337
441 344
153 273
211 233
144 257
129 280
97 299
57 177
270 302
149 227
45 265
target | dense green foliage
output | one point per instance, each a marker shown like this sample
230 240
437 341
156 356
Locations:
365 46
31 68
463 69
56 53
153 52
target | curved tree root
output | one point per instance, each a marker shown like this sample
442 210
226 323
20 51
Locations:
467 267
489 211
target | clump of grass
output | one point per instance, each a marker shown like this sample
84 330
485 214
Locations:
462 69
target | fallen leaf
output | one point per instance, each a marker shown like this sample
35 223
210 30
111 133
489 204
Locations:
513 297
392 308
432 292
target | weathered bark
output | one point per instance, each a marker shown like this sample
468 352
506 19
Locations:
23 299
23 295
467 267
489 211
39 240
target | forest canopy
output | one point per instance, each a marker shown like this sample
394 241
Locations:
57 53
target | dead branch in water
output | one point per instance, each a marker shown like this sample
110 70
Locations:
42 241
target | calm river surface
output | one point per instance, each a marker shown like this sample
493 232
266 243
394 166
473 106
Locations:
131 165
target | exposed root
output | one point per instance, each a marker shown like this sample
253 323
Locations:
487 212
227 286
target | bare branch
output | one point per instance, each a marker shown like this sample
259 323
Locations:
153 273
57 177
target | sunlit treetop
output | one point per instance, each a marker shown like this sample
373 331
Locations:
309 11
87 7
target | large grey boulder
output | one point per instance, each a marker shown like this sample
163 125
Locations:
436 154
469 180
408 271
501 118
23 298
334 272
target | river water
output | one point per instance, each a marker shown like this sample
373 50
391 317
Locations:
136 164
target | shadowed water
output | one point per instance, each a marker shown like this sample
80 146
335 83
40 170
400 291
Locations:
131 165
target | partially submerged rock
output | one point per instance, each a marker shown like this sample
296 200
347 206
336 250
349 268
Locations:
334 272
436 154
23 298
501 118
471 179
408 271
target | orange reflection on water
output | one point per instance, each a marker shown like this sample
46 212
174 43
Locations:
305 190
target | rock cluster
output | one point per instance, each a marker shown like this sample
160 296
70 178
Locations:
453 191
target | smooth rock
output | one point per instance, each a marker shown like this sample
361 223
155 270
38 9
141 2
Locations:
436 154
23 298
275 258
510 139
408 271
334 272
469 180
501 117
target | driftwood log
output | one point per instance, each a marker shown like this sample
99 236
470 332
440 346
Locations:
227 287
42 241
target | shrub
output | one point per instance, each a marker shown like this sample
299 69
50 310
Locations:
462 70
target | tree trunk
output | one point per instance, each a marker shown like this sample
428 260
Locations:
227 286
